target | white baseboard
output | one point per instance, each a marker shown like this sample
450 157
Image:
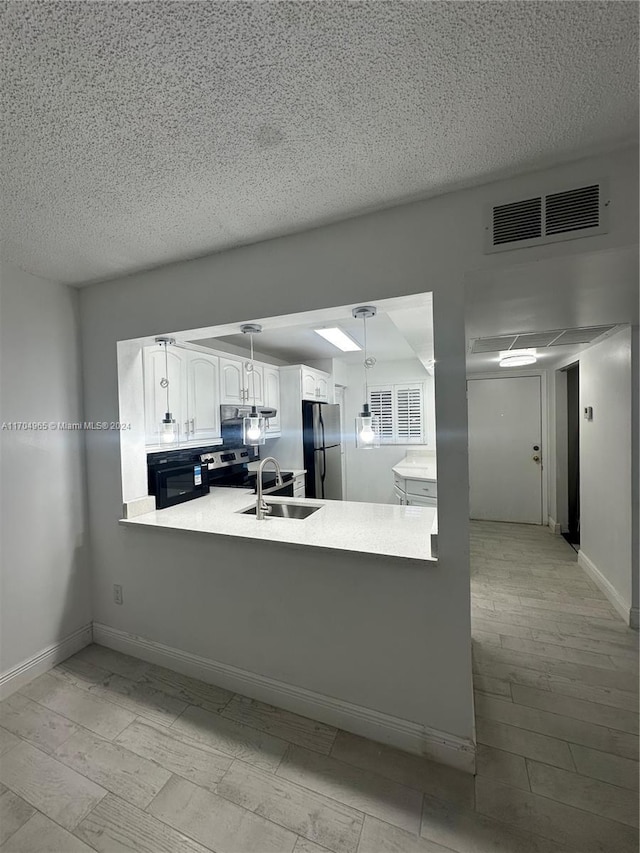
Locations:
13 679
384 728
554 526
623 607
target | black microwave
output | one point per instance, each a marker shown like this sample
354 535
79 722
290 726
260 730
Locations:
176 482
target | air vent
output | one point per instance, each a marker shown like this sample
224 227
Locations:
521 220
572 210
566 215
539 340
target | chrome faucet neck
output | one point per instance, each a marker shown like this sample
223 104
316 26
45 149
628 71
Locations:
262 509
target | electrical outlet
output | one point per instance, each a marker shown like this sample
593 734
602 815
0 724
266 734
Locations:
117 593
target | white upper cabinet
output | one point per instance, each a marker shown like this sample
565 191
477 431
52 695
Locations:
203 397
231 381
238 386
271 376
315 384
155 396
194 394
322 384
254 384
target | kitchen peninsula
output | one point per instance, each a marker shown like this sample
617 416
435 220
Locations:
403 532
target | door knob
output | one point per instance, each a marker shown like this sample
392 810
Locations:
536 458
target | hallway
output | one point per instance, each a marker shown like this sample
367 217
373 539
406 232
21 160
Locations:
112 754
556 681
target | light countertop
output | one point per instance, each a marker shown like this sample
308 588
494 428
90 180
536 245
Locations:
417 466
396 531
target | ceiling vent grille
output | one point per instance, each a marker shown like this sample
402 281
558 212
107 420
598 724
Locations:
540 340
566 215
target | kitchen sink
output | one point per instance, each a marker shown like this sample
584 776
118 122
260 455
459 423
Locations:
286 510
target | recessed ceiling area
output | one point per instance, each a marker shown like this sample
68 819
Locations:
401 329
136 134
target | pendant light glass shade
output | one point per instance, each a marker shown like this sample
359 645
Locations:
254 428
168 430
367 429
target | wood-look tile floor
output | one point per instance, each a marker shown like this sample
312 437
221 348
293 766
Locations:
107 753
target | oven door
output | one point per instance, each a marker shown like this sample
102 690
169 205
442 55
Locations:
180 483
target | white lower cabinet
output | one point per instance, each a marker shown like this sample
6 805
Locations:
416 492
299 490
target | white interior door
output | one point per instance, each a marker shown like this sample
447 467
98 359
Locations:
505 428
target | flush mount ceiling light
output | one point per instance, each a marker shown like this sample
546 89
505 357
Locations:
339 339
517 357
254 426
367 425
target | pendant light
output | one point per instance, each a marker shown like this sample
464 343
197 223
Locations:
168 425
367 424
254 426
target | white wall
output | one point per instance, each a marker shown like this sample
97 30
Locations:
605 462
45 594
369 475
609 379
383 636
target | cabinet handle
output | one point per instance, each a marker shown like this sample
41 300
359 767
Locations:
193 425
186 427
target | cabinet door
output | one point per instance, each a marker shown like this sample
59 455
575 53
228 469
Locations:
322 388
309 384
414 500
272 395
232 382
299 490
203 398
155 396
254 385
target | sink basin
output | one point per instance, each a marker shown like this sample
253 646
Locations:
286 510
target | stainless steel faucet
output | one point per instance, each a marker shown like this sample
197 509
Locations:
262 508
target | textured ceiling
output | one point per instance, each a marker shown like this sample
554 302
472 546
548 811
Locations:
140 133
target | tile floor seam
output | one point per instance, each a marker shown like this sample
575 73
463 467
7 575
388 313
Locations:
573 805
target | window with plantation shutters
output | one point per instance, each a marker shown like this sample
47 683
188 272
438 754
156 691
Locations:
381 404
400 409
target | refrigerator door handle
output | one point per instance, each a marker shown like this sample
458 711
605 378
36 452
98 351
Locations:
324 469
322 429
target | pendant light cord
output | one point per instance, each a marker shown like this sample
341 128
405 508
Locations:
166 371
252 371
366 381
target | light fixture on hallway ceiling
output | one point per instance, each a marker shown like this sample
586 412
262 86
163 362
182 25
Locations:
168 426
367 424
254 426
517 357
339 339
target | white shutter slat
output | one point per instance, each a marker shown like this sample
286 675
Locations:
409 418
381 404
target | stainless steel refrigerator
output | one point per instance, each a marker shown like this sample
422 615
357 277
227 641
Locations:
322 450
